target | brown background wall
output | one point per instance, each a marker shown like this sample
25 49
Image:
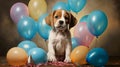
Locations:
109 40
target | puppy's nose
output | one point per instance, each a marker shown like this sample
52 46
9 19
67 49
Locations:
61 22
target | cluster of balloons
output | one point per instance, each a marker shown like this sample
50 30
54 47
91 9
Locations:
18 56
89 26
29 20
81 55
26 17
93 24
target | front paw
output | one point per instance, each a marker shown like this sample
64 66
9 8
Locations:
67 59
51 57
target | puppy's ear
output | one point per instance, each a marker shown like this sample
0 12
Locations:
73 21
49 19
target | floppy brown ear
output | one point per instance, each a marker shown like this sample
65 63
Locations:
73 21
49 19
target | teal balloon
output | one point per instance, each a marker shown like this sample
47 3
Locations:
27 28
76 5
74 43
97 22
38 55
27 45
97 57
84 19
61 5
43 28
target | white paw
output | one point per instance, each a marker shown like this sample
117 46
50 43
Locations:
67 59
51 57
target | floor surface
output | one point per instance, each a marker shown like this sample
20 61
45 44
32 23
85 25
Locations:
113 62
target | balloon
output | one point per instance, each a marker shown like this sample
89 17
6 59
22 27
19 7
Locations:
38 55
43 28
74 43
97 22
17 11
61 5
97 57
27 28
78 55
37 8
17 56
82 34
27 45
76 5
84 19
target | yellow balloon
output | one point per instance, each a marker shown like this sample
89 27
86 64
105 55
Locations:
37 8
78 55
17 56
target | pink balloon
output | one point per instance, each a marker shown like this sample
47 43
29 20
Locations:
18 11
81 32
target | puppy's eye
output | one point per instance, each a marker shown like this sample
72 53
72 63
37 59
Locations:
56 17
66 18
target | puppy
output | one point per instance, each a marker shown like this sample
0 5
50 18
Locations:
59 42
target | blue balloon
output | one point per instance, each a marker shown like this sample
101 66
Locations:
97 57
27 45
27 28
76 5
61 5
97 22
43 28
38 55
74 43
84 19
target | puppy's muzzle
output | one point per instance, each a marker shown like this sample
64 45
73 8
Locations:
61 22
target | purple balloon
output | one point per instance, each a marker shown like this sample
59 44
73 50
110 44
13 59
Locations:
18 10
82 34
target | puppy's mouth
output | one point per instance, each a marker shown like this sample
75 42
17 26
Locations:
60 27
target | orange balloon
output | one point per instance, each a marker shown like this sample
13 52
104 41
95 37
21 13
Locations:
17 56
78 55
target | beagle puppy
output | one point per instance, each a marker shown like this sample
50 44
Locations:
59 42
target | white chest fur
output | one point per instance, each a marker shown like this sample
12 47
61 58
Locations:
60 45
59 41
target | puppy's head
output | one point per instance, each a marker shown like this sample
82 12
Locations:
61 20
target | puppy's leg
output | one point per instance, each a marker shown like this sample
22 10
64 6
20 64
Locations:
51 53
67 53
